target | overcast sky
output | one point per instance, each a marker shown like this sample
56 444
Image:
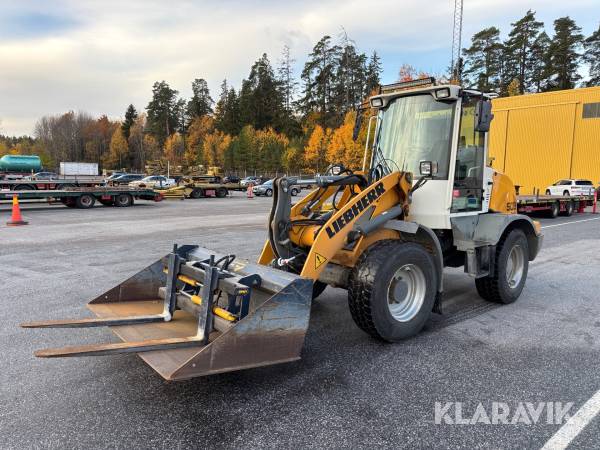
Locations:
99 56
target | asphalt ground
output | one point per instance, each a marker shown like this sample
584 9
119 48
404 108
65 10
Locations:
347 391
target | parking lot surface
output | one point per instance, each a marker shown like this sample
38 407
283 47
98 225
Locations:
347 391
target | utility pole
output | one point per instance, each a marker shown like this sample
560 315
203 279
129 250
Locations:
456 62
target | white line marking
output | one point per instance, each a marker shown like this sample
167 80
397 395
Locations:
569 431
569 223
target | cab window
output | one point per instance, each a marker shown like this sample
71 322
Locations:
467 194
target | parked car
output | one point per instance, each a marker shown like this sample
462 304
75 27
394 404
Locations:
570 187
113 176
154 181
253 179
127 178
266 189
231 179
43 176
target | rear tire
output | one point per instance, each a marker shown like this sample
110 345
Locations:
294 192
24 187
569 208
268 192
85 201
510 270
548 192
197 193
221 193
554 210
123 200
392 290
566 194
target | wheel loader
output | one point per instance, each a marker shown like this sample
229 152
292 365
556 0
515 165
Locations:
423 200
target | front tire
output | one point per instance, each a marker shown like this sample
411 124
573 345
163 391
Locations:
510 270
392 290
268 192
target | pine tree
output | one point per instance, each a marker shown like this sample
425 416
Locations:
483 60
374 71
130 116
163 112
592 57
318 77
227 113
350 78
286 80
201 102
518 50
539 62
564 54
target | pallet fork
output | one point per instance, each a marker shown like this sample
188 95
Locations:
196 313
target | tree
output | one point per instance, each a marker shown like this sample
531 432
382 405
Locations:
518 50
227 111
119 151
342 148
197 132
374 71
214 146
270 147
174 148
514 88
163 111
318 77
350 78
592 57
540 62
286 80
315 152
201 102
483 60
564 56
130 116
261 100
293 158
137 143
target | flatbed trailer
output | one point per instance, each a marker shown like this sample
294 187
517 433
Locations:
552 205
86 197
57 184
199 190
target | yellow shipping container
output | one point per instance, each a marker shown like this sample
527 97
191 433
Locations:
538 139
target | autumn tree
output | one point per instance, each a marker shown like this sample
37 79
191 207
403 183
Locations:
342 148
118 156
174 148
199 128
214 146
315 152
137 143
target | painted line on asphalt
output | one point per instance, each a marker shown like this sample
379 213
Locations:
569 431
570 223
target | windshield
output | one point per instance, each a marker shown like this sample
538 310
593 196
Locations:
414 129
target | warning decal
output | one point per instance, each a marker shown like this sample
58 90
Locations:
319 260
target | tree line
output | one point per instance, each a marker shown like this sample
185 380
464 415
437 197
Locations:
279 122
529 60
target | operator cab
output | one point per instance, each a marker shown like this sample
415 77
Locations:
438 133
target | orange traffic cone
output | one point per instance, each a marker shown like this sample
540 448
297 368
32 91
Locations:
16 218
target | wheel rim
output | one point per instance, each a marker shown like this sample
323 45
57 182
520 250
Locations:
86 201
515 266
406 292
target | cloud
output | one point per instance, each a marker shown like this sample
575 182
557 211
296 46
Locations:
101 56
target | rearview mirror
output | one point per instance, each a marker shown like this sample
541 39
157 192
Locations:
357 124
428 168
483 115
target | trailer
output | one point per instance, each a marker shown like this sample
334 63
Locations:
86 197
199 190
25 184
552 205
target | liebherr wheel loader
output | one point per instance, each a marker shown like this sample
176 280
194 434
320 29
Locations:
425 201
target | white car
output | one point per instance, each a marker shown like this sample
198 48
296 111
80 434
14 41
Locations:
571 187
154 181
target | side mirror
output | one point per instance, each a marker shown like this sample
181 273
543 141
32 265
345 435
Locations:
428 168
483 115
357 124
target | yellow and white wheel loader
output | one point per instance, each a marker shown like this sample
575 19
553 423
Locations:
385 233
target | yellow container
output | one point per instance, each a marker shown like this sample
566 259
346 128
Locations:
537 139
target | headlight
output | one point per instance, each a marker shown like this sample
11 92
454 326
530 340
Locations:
376 102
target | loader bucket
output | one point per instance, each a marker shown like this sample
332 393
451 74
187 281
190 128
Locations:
262 319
